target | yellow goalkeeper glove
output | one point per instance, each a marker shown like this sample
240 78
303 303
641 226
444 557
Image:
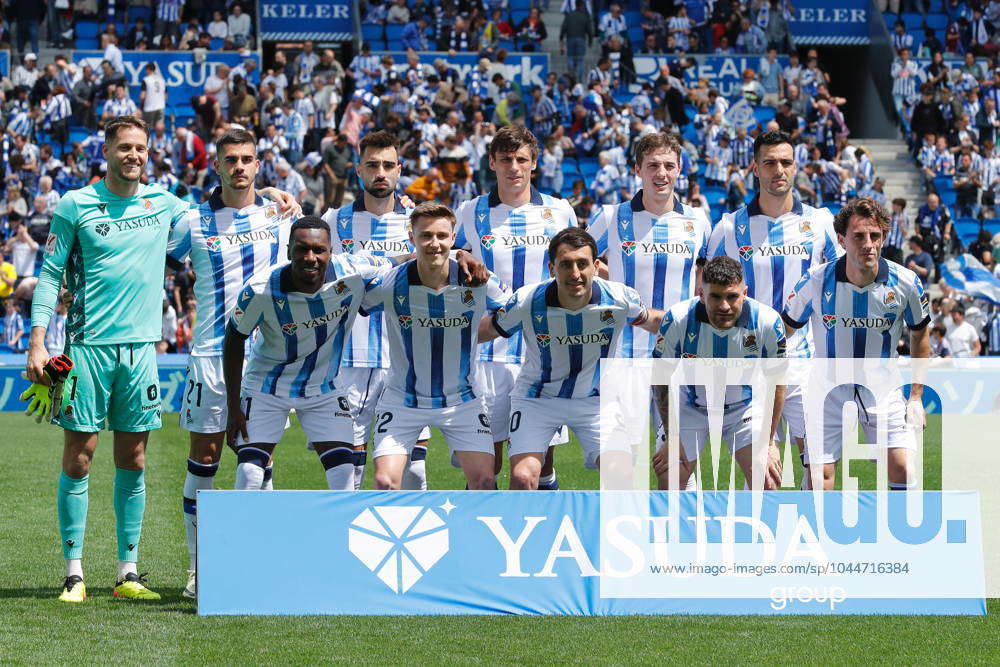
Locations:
40 397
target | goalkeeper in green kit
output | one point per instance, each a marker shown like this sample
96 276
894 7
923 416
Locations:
109 239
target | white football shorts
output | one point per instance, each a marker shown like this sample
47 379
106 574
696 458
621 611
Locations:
364 387
892 408
466 427
534 421
324 418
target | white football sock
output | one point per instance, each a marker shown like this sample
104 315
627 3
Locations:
74 567
249 476
126 567
194 482
339 466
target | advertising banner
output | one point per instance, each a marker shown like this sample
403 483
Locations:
528 69
821 22
724 73
588 553
319 20
185 76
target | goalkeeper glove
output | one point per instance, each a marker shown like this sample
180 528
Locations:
42 397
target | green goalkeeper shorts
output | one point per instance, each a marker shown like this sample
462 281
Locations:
116 385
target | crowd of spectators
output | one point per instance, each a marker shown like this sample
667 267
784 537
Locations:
946 92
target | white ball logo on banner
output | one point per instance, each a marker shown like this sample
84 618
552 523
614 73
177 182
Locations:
398 543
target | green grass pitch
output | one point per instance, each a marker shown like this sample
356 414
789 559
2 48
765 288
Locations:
35 628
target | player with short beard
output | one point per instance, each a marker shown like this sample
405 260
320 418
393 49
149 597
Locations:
228 239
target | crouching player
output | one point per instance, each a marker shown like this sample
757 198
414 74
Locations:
722 323
431 323
857 306
570 323
303 311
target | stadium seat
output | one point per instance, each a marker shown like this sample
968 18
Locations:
967 227
520 4
913 21
394 32
890 19
714 194
833 206
86 29
135 12
992 225
516 16
948 196
943 182
216 44
633 18
371 33
88 43
937 21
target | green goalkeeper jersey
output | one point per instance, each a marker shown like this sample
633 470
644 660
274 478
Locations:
112 251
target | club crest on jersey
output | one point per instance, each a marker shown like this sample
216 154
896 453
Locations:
147 204
347 245
340 287
543 339
890 299
607 316
805 226
488 241
271 211
829 321
547 213
689 227
746 252
628 247
468 299
405 321
750 341
290 328
214 243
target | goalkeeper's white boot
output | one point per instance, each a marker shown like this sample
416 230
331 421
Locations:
191 590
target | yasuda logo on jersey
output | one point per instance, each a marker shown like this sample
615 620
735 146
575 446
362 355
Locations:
600 338
829 321
216 243
628 247
213 243
543 339
405 321
361 245
347 245
290 328
488 241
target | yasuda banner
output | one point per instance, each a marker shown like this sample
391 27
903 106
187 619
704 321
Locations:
588 553
322 20
822 22
724 73
172 367
528 69
184 76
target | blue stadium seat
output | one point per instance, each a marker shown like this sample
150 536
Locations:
889 19
89 43
216 43
370 33
992 225
913 20
87 29
636 35
948 196
121 29
516 16
394 45
520 4
633 18
714 194
393 32
833 206
589 168
139 12
967 228
937 21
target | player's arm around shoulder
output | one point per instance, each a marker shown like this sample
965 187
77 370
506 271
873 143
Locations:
179 239
799 302
506 320
247 315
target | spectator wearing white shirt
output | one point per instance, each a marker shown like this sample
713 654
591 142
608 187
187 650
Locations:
27 73
153 95
290 180
239 27
962 337
217 85
218 28
114 55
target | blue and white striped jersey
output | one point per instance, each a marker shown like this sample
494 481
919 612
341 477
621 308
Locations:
55 109
775 253
859 322
513 243
686 332
432 333
565 347
656 256
301 337
227 247
55 333
355 231
120 107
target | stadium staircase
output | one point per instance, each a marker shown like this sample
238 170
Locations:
893 163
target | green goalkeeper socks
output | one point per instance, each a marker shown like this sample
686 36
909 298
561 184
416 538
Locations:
71 501
130 503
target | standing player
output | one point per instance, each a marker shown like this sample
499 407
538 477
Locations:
106 238
432 321
857 306
569 323
653 243
509 230
375 225
777 239
720 323
303 312
229 238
